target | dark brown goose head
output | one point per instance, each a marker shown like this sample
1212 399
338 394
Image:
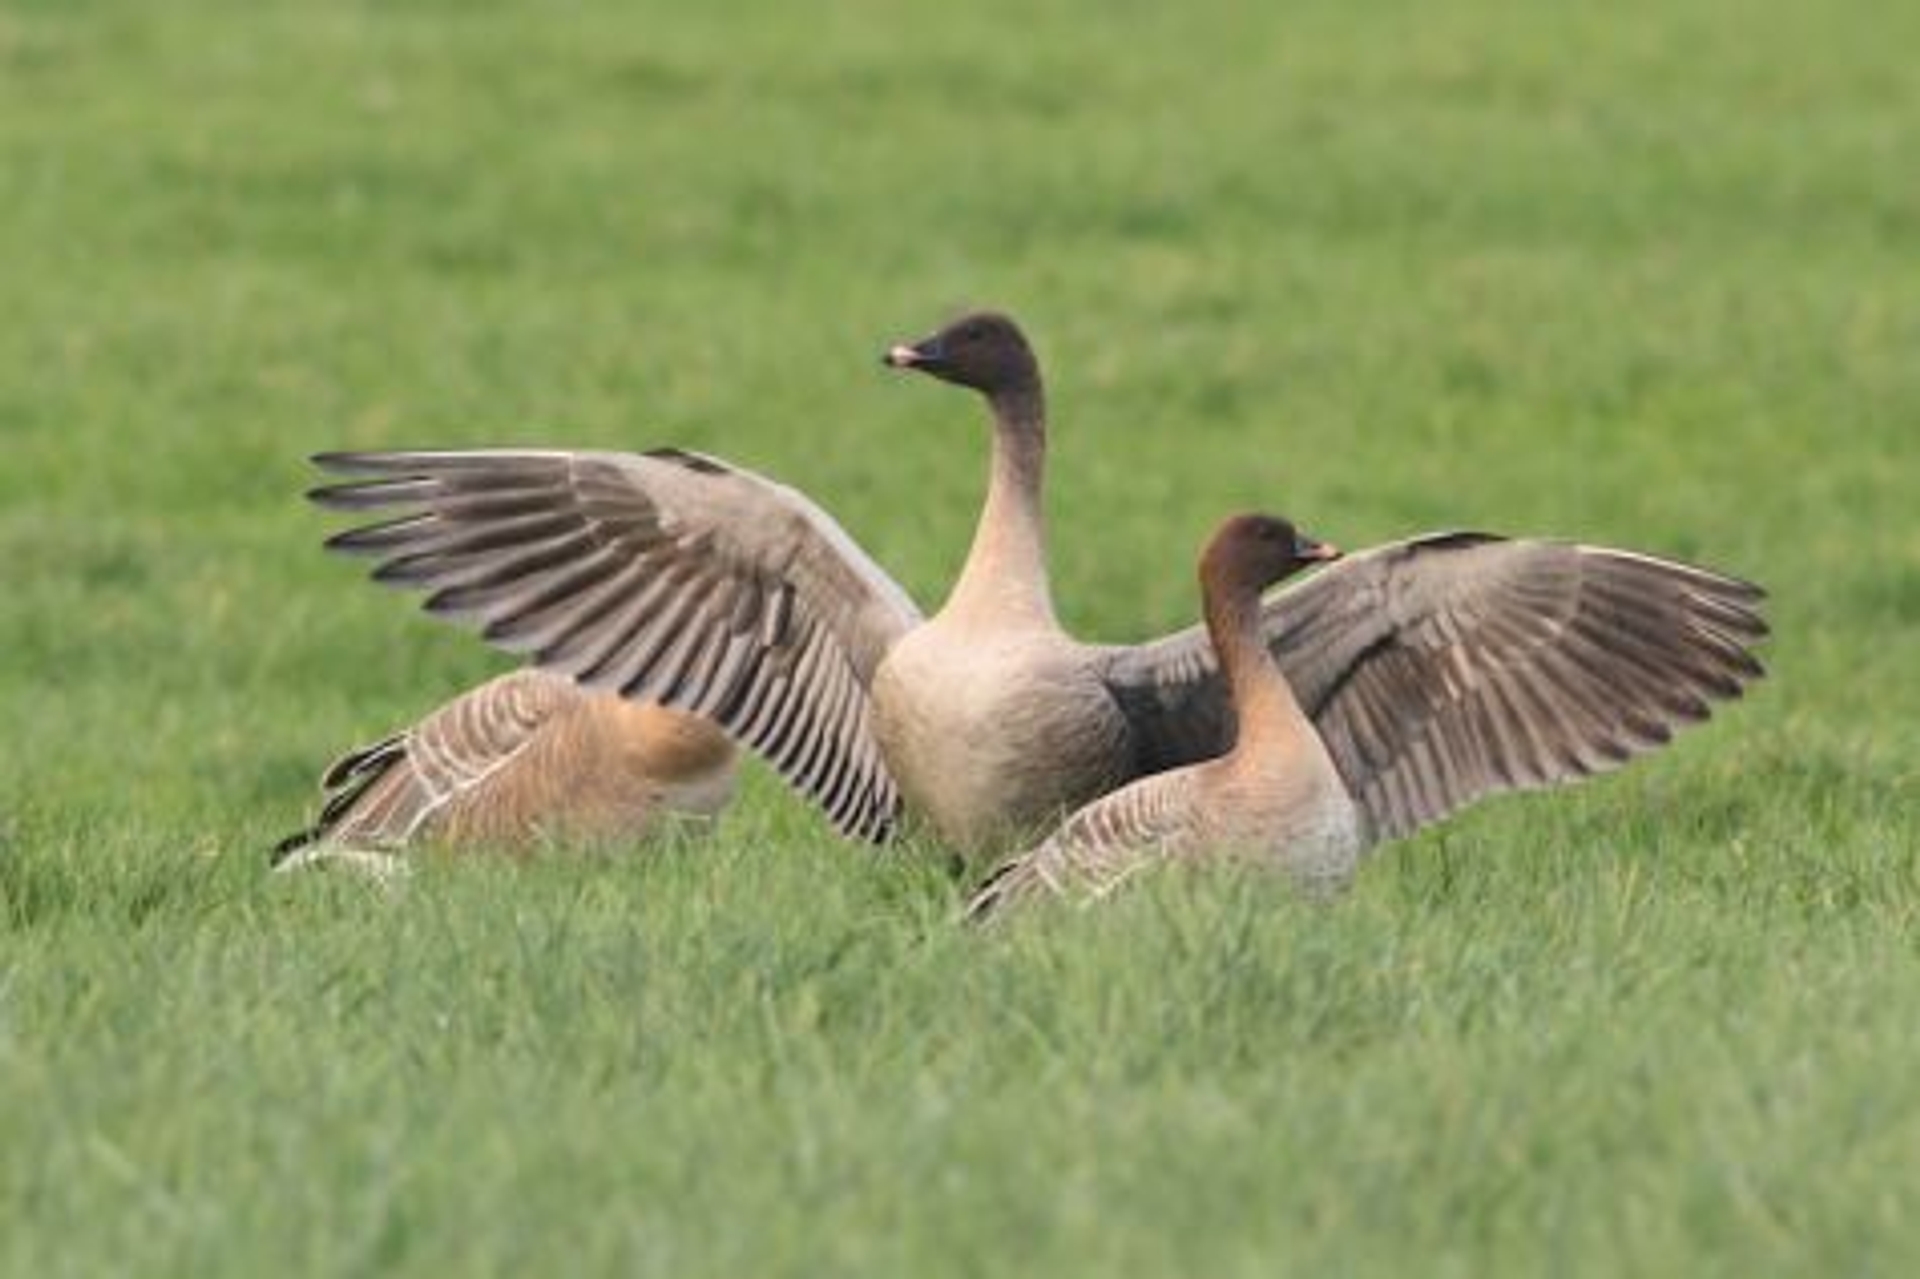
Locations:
984 350
1249 553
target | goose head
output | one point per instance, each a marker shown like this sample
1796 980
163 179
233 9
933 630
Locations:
1249 553
984 350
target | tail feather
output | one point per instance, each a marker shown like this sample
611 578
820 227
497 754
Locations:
347 784
994 893
367 759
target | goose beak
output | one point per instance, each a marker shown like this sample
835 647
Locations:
925 355
1316 552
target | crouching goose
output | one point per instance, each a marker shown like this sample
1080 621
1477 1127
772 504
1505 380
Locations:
1436 670
1276 797
525 758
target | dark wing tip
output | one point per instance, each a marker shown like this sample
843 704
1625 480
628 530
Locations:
436 461
344 782
991 897
354 461
356 541
1723 586
1459 539
293 844
699 463
334 497
1740 589
376 758
354 495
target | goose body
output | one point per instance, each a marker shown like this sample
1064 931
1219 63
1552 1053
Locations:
1289 811
993 736
1275 798
1434 671
524 759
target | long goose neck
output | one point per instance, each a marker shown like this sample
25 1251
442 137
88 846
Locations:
1005 577
1264 705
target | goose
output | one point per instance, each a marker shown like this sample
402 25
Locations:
1436 670
525 758
1275 797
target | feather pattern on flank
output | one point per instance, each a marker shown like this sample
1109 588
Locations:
525 758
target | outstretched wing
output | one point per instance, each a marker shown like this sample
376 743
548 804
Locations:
1459 665
670 576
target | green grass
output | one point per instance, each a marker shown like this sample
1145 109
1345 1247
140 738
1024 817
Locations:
1644 275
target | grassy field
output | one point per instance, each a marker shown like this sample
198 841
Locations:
1648 274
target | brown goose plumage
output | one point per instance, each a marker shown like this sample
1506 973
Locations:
1273 798
526 758
1437 670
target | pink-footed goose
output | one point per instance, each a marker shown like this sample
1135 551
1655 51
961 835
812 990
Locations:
1436 670
526 758
1274 798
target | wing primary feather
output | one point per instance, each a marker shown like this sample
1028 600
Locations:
363 495
461 588
378 539
546 620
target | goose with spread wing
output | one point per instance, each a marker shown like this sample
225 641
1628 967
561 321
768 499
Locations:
524 759
1436 670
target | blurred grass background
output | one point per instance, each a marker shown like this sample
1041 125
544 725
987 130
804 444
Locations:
1647 275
